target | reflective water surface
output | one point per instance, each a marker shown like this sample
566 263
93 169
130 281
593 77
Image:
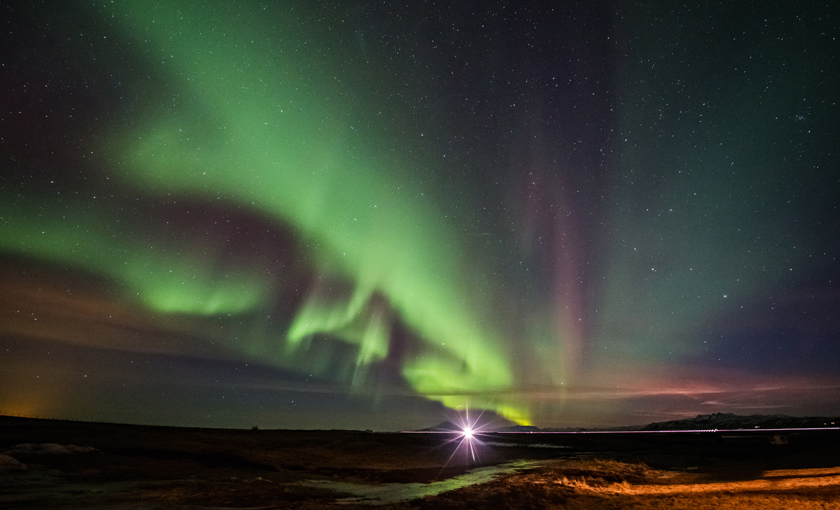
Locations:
397 492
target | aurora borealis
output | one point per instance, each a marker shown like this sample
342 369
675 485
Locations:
357 215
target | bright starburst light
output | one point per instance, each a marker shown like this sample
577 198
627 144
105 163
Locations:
468 441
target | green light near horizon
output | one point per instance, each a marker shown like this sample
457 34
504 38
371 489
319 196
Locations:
444 379
261 127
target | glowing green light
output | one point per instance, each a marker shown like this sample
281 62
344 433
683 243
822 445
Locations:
261 126
357 320
172 279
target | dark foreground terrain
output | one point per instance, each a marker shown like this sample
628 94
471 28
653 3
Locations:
57 464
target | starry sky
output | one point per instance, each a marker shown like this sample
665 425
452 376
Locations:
359 214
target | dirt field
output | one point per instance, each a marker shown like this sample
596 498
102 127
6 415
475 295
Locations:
55 464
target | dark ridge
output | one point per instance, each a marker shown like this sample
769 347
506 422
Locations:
729 421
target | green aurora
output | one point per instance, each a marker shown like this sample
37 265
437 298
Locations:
271 182
257 130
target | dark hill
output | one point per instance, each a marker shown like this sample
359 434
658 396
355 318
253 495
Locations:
729 421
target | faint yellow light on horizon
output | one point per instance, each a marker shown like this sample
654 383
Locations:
22 408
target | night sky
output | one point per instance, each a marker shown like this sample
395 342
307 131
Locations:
360 214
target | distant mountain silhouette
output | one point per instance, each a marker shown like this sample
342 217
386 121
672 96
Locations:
519 428
729 421
445 426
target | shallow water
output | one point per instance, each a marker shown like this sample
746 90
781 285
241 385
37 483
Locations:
399 492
